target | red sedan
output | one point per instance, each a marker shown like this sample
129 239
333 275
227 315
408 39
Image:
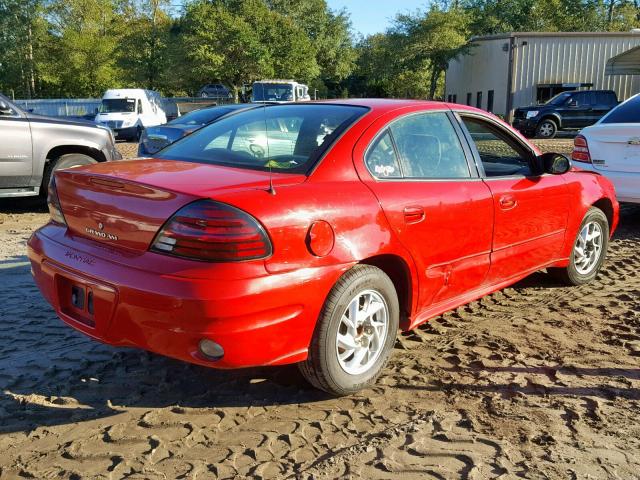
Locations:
309 233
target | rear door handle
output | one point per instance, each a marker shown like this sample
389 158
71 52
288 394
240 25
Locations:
507 202
413 214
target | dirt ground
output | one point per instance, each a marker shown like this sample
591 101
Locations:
537 381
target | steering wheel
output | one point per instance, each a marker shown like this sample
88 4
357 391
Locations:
257 150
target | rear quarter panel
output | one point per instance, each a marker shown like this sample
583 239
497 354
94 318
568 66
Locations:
586 189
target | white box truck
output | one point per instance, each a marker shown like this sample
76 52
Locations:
127 111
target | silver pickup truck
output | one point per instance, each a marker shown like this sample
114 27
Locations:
33 146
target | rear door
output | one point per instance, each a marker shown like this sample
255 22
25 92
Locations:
434 200
531 210
16 154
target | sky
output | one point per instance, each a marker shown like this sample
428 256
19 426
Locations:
374 16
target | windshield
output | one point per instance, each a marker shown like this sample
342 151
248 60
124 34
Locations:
201 117
113 105
559 99
272 92
279 137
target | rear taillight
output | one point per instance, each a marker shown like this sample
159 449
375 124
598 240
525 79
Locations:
214 232
580 150
54 203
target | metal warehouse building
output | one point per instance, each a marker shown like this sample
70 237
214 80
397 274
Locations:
504 72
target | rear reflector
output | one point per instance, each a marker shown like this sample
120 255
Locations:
213 232
580 151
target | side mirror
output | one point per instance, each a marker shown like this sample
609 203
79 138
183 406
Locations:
555 163
5 109
572 103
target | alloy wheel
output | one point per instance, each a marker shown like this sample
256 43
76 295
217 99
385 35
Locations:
362 332
588 248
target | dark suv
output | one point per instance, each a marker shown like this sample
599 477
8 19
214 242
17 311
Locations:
565 111
215 90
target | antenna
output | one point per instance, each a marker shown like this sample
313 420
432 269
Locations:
271 190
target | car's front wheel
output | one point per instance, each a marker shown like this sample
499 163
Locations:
547 128
589 250
355 333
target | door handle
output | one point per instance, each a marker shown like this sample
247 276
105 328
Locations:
413 214
507 202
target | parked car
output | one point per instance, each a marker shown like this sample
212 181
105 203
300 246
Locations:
128 111
215 90
33 146
154 139
612 147
383 215
565 111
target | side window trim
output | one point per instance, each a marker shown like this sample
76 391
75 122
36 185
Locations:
469 140
475 172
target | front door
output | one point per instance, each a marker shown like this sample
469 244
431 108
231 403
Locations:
16 155
439 208
531 209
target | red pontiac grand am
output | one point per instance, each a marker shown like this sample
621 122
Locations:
309 233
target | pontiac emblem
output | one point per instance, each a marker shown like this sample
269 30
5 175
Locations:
101 225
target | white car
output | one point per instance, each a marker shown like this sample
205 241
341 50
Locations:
612 147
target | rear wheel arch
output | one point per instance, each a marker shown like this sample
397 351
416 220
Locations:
397 269
606 206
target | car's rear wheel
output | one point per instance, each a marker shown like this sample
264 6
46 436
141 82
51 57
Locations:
589 250
60 163
355 333
547 128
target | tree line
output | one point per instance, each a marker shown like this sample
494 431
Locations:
79 48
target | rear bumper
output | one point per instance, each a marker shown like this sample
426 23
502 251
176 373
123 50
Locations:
262 319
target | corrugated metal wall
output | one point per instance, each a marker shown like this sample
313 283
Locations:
570 59
546 58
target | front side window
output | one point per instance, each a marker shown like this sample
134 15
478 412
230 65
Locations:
500 154
428 147
280 137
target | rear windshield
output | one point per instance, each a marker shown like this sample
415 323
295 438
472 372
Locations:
280 137
627 112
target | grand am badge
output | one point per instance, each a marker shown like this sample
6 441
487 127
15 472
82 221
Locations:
100 234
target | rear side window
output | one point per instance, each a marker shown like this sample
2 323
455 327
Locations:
605 98
428 147
381 158
628 112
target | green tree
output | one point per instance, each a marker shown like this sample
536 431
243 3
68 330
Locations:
84 46
144 49
432 39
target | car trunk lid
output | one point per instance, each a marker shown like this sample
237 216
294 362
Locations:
126 203
615 147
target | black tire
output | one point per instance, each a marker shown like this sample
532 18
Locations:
571 275
322 368
547 128
63 161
